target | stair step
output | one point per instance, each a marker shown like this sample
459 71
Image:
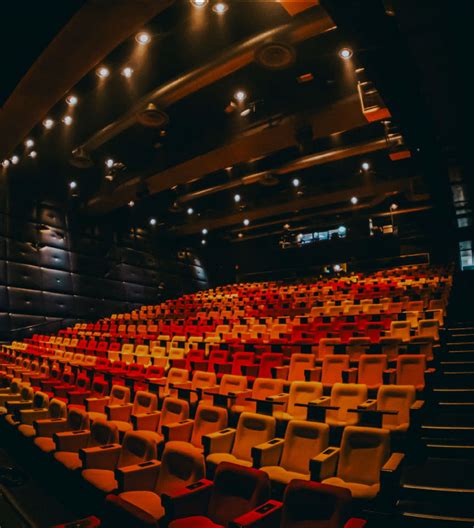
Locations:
435 521
431 432
447 450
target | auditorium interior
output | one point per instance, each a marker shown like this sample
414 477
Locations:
236 264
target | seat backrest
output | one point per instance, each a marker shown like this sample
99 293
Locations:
303 440
252 429
173 410
176 375
364 450
298 364
231 383
27 393
396 398
141 350
269 360
144 402
400 329
181 465
57 409
411 369
15 386
302 392
202 379
371 367
428 328
264 387
240 359
77 419
332 368
99 388
103 432
137 447
209 419
347 396
119 395
237 490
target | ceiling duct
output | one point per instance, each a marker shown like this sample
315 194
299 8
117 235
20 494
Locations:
81 159
152 116
275 55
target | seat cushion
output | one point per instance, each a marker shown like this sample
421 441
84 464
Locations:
146 501
282 476
102 479
359 491
122 427
97 415
68 460
217 458
283 416
46 444
27 430
196 521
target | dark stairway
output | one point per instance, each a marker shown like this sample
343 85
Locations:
439 490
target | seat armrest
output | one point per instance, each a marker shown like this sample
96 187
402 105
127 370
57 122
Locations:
185 385
178 431
121 412
50 426
389 376
393 464
355 523
268 453
138 476
218 442
280 372
146 421
350 375
189 500
97 404
368 405
239 397
313 374
324 465
390 477
71 441
266 515
28 416
100 457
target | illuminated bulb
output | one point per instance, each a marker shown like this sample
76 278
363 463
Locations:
33 154
131 203
29 143
204 231
345 53
240 235
199 3
143 38
190 211
246 222
203 242
245 112
393 207
220 8
72 100
152 221
109 163
73 185
240 96
337 267
109 177
295 182
5 163
15 159
67 120
354 200
237 198
299 237
103 72
48 123
286 226
127 72
365 166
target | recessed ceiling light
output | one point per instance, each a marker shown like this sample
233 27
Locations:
245 112
295 182
5 163
286 226
109 163
240 235
29 143
365 166
143 38
393 207
204 231
345 53
354 200
48 123
337 267
72 185
299 237
131 203
67 120
72 100
237 198
199 3
240 96
15 159
102 72
190 211
152 221
203 242
246 222
127 72
220 8
33 154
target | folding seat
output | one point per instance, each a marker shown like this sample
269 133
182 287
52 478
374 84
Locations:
192 391
369 371
410 370
235 445
400 330
142 355
239 360
28 417
101 463
357 346
261 390
96 406
13 393
344 396
359 463
330 371
326 346
138 500
286 459
390 347
45 429
233 388
164 387
299 363
415 306
81 386
300 393
429 328
64 382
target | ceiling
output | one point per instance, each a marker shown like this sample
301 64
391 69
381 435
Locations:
292 150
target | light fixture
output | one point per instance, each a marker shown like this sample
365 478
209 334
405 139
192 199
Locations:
203 242
102 72
240 235
152 221
295 182
345 53
190 211
33 154
393 207
246 222
72 100
67 120
286 226
237 198
143 38
73 185
365 166
220 8
245 112
127 72
5 163
48 123
199 3
204 231
240 96
109 176
337 268
109 163
14 159
354 200
131 203
299 237
29 143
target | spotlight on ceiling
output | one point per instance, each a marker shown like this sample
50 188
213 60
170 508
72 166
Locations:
127 72
299 237
237 198
72 100
204 231
240 235
199 3
143 38
365 166
109 163
152 116
286 226
48 123
220 8
152 221
33 154
131 203
240 96
345 53
393 207
14 159
29 143
190 211
73 185
337 268
5 163
295 182
102 72
81 159
203 242
354 200
67 120
246 222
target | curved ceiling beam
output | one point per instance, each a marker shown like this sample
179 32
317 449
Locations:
302 28
100 26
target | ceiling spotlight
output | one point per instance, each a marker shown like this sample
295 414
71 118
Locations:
204 231
33 154
102 72
203 242
48 123
354 200
246 222
365 166
109 177
237 198
299 237
337 268
152 221
240 96
199 3
240 235
72 100
5 163
143 38
245 112
295 182
29 143
14 159
393 207
127 72
109 163
131 203
345 53
73 185
220 8
190 211
67 120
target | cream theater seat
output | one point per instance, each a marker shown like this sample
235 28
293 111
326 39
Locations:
96 407
301 392
345 396
56 409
